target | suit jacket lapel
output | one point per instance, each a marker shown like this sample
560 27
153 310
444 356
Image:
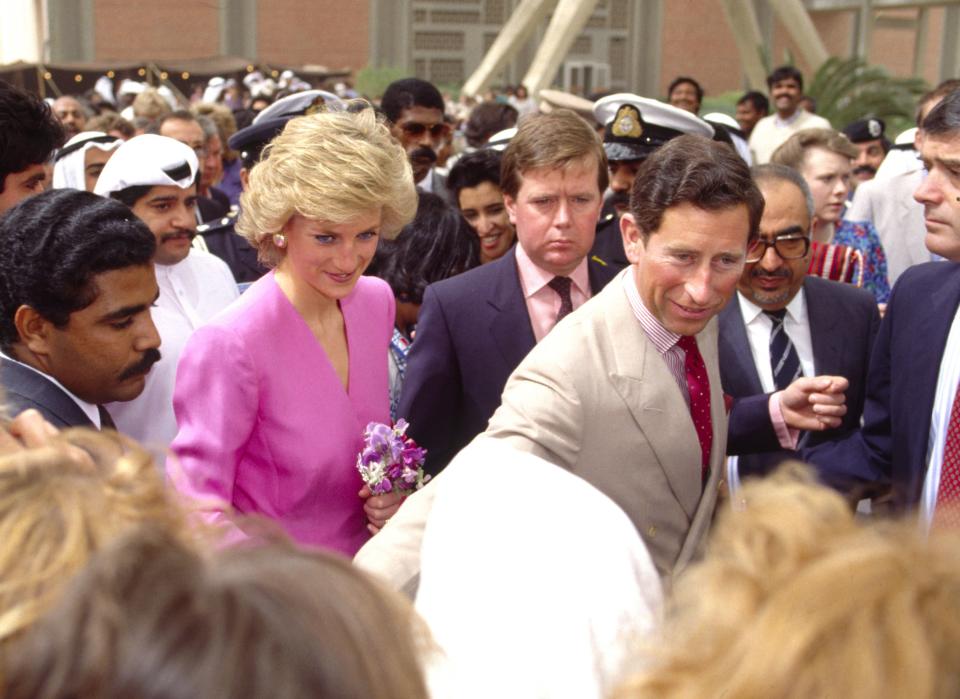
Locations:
510 328
33 386
653 397
928 345
735 349
827 347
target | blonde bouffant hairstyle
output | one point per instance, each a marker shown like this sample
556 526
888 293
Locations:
796 599
332 167
61 503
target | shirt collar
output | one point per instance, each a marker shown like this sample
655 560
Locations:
534 278
89 409
663 340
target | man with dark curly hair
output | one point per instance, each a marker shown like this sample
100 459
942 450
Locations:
29 133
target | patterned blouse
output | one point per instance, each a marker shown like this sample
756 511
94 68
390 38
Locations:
399 346
863 236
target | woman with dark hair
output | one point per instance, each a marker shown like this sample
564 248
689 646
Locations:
437 244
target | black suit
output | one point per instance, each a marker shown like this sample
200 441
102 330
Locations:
843 325
901 387
473 331
223 241
608 243
25 389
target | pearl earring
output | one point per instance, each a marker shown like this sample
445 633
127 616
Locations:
280 240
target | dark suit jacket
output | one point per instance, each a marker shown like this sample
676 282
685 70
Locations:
608 243
843 326
223 241
473 331
27 389
901 385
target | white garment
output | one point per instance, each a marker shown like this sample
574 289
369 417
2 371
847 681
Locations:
69 172
889 205
191 293
533 582
947 381
796 323
771 131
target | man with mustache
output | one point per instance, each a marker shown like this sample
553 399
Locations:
76 285
786 91
782 324
872 146
414 109
156 177
634 127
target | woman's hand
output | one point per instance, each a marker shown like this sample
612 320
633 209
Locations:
380 508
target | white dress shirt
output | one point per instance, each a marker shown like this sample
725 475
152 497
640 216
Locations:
191 293
796 323
89 409
947 382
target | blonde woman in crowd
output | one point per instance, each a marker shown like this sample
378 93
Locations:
62 498
272 397
796 599
151 619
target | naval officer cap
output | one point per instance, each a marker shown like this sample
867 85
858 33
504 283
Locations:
864 130
149 160
634 126
249 141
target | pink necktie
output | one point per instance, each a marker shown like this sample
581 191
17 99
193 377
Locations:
948 494
698 385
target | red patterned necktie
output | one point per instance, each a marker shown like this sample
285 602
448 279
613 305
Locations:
948 493
698 385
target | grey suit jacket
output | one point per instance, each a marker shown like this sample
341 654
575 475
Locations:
26 389
596 398
889 205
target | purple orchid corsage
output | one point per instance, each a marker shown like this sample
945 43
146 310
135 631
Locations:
391 461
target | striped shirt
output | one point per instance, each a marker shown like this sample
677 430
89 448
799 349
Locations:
662 339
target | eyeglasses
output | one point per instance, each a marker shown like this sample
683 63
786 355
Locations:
415 129
789 247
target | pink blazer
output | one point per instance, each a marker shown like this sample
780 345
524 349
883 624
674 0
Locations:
265 426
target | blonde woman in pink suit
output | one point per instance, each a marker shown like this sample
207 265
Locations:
272 396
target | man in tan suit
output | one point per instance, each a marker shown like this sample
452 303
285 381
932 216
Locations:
626 392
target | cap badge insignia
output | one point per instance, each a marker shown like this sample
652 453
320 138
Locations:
873 126
317 106
626 124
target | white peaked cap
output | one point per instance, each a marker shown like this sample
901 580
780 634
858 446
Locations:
149 160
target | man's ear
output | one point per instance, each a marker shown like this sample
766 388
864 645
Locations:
633 242
33 329
511 205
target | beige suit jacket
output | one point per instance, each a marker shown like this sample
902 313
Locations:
596 397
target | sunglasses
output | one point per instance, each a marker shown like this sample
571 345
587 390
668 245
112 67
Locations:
415 129
789 247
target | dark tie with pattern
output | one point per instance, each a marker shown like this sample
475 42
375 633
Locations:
698 386
106 422
562 286
783 355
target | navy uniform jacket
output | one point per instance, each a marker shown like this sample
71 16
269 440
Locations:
843 326
223 241
25 389
473 331
901 385
608 243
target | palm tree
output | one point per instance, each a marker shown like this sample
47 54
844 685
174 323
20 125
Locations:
847 89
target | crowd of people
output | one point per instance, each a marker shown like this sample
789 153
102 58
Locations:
615 326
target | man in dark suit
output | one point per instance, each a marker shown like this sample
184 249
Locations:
782 323
76 286
911 432
474 329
